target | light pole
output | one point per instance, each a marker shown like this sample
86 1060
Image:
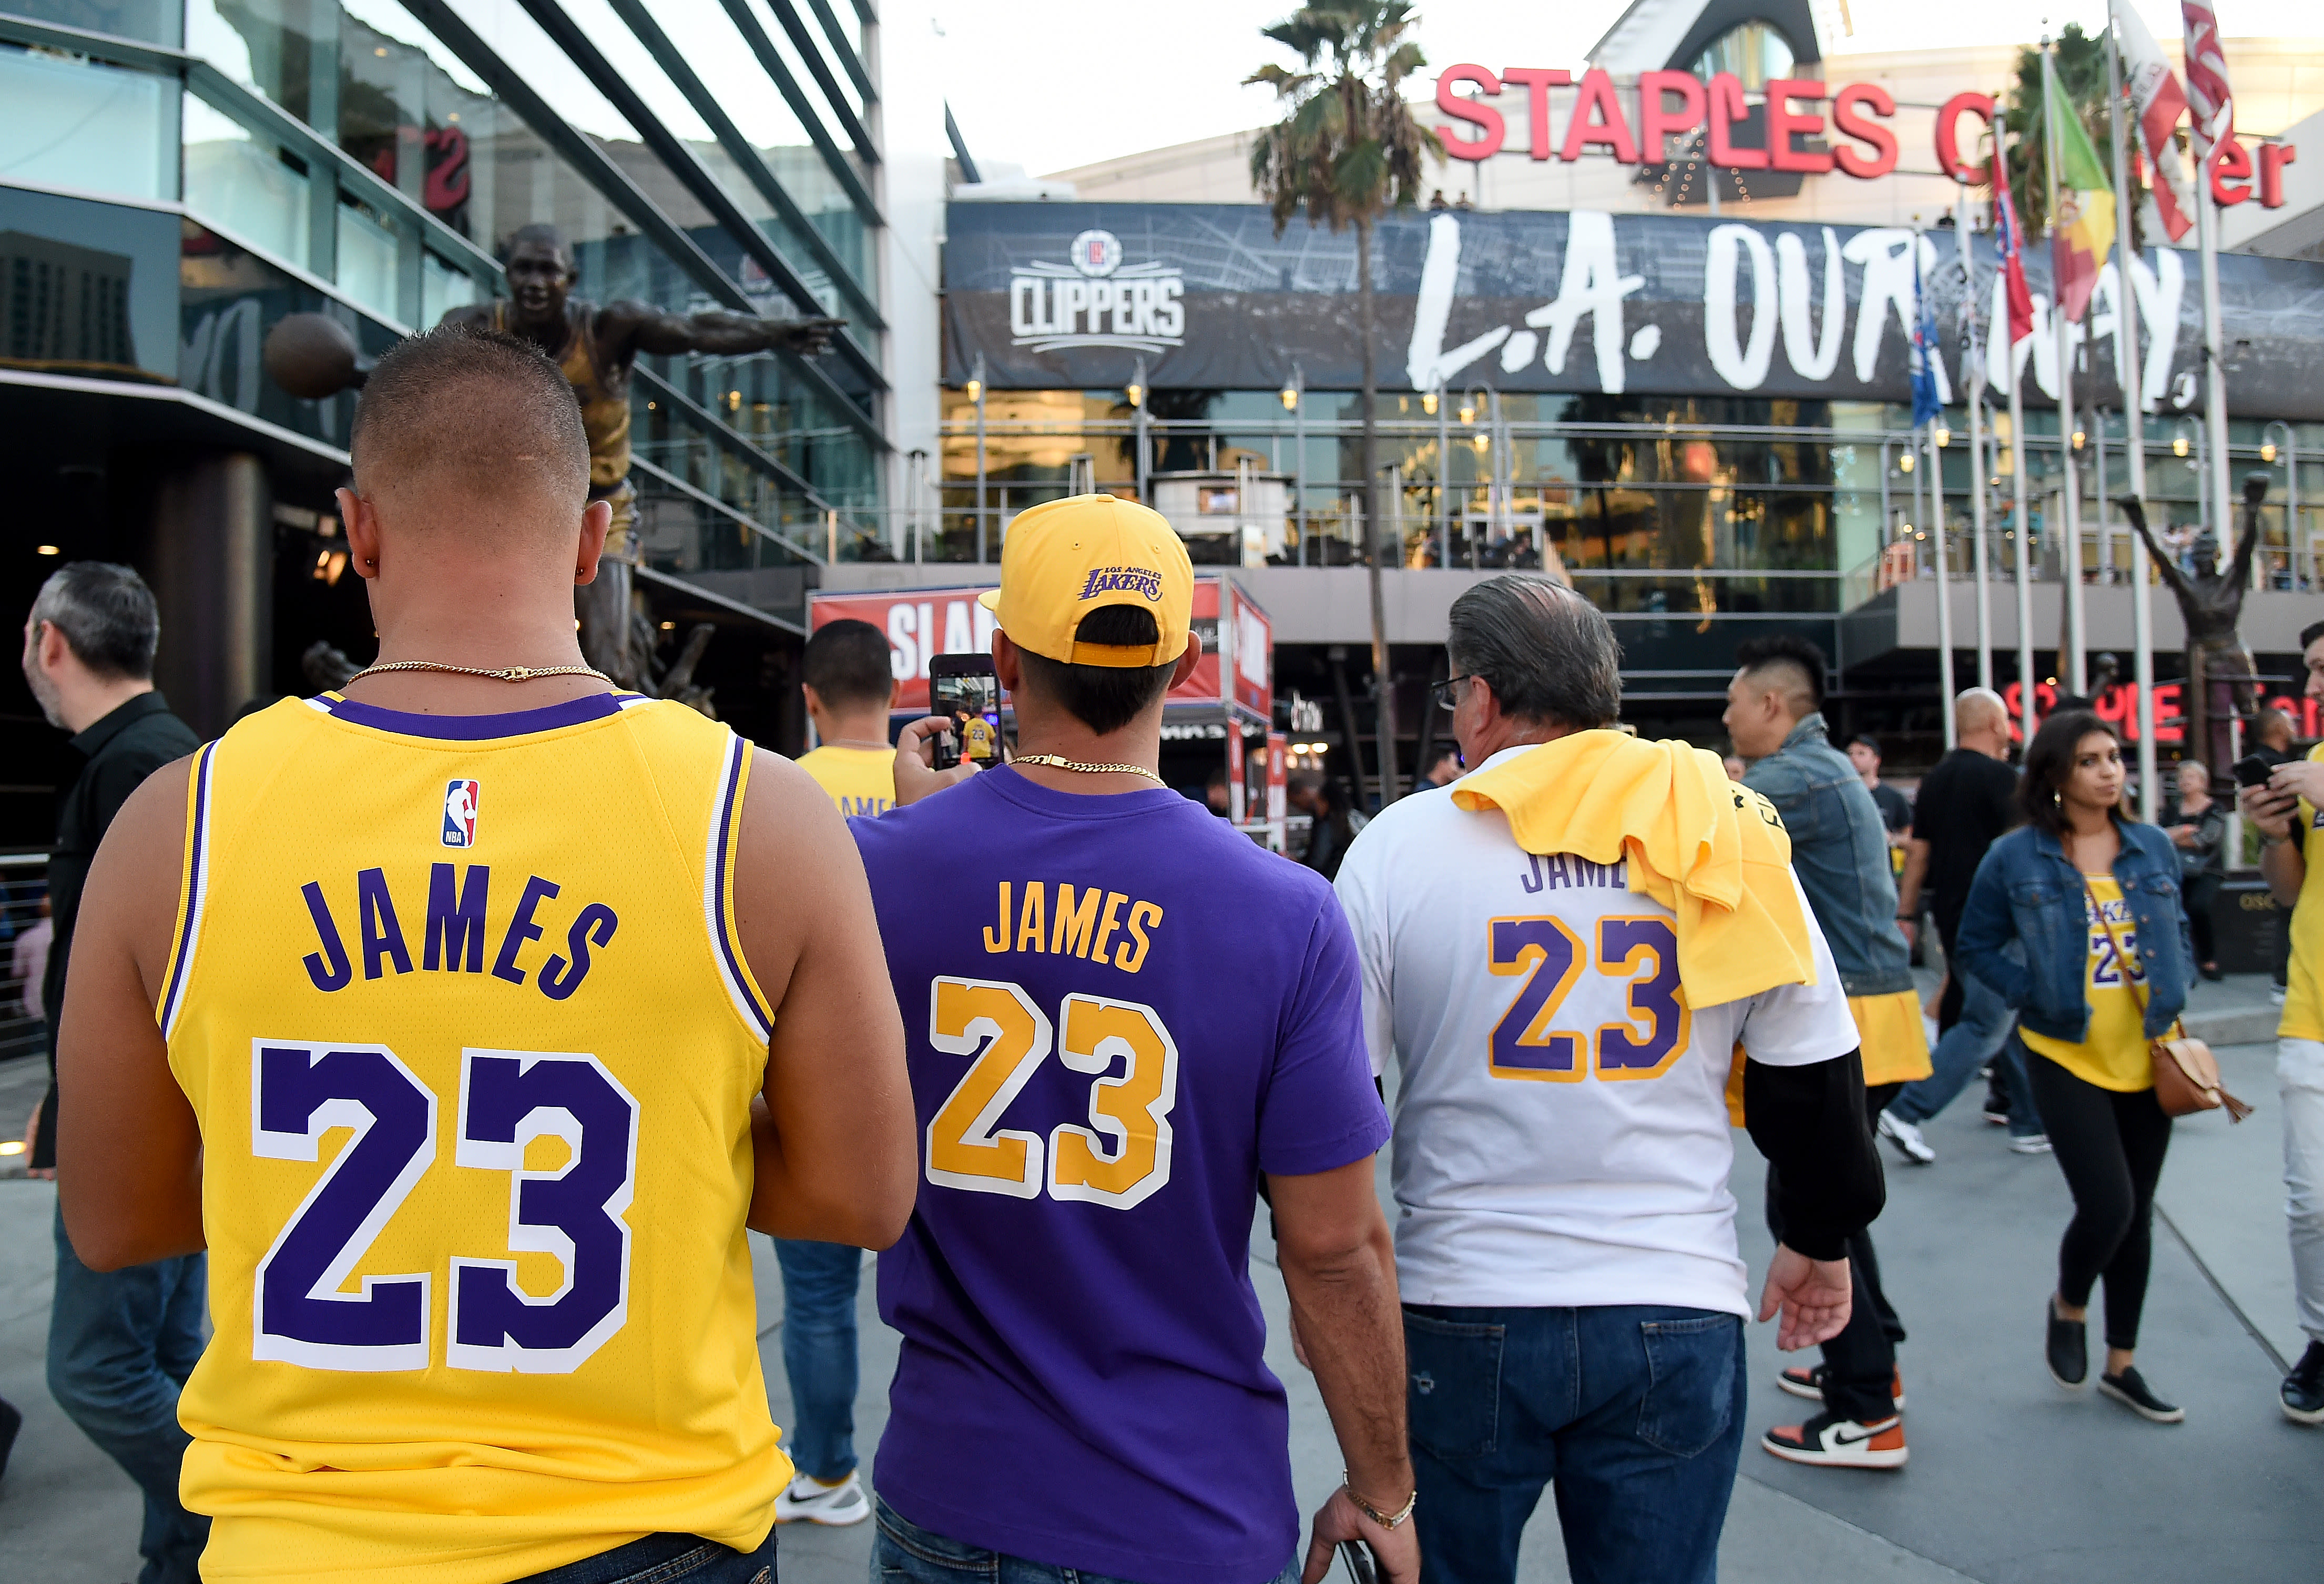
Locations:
976 394
2294 539
1136 391
1294 391
2178 434
1433 403
1939 437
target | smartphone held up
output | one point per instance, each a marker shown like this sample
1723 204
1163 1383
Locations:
966 690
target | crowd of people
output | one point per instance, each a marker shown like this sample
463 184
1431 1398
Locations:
1045 1035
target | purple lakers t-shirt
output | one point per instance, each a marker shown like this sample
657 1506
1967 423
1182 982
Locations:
1119 1012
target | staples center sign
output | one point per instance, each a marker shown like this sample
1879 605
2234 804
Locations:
1678 103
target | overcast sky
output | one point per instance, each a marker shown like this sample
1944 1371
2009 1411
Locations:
1052 84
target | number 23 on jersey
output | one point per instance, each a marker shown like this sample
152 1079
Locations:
1118 1160
1549 959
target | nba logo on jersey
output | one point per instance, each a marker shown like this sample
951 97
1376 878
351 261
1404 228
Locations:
460 814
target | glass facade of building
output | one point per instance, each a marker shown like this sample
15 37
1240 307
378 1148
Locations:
369 160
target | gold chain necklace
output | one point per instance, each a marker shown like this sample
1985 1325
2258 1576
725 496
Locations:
514 673
1055 763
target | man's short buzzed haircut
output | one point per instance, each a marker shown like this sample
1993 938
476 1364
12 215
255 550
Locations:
2310 633
485 414
846 664
1786 663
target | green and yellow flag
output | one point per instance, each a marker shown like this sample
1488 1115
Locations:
2081 232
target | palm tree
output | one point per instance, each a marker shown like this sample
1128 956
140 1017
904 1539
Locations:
1347 151
2081 71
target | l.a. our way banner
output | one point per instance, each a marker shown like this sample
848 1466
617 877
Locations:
1071 296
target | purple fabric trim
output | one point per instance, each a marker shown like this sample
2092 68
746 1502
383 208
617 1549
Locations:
179 969
473 728
766 1019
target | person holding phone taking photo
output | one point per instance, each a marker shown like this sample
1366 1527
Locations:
1121 1014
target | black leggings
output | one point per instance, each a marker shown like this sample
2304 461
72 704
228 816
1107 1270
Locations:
2110 1146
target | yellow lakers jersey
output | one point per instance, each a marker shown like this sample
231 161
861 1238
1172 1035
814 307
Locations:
473 1052
861 781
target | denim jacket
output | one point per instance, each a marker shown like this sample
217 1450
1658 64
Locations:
2028 893
1840 851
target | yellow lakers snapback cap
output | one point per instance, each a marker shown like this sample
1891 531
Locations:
1064 559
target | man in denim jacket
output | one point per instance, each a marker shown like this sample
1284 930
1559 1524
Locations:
1839 850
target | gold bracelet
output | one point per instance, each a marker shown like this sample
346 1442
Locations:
1385 1520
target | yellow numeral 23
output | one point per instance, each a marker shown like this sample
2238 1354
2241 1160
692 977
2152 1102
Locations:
1121 1158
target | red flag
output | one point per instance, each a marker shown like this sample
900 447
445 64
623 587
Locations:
2208 96
2155 95
2012 242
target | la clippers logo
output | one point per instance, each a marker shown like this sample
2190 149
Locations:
1124 580
460 814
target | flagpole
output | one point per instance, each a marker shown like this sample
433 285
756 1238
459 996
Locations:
2215 377
2025 677
2070 562
2133 414
1975 373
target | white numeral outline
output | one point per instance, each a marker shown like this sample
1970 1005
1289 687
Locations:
275 1145
508 1355
980 1133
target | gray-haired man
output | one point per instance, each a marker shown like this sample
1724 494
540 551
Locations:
121 1343
1574 1301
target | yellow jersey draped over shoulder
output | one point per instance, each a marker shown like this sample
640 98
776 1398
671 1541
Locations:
458 1003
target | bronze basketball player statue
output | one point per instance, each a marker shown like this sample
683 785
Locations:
596 345
2211 605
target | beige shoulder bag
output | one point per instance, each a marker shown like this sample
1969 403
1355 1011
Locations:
2186 1073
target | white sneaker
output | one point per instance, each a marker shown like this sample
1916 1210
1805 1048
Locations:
809 1500
1907 1139
2275 997
2030 1144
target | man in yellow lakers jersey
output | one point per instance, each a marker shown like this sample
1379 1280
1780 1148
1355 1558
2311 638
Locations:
470 1102
849 689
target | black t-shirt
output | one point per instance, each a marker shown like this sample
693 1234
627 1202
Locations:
1896 808
1965 802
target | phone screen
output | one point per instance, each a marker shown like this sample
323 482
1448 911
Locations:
970 700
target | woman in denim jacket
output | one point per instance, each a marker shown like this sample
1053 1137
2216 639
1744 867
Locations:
2077 978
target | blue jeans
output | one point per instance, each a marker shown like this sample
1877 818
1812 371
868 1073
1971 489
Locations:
120 1343
905 1553
669 1559
1981 1034
1634 1411
820 1282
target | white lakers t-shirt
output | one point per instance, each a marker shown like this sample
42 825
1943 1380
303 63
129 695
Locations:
1560 1129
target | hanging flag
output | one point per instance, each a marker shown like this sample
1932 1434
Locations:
1926 408
2081 232
2213 121
2155 95
2012 243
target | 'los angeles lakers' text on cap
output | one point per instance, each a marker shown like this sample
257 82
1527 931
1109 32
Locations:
1063 559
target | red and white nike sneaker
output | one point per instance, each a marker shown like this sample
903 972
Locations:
1804 1381
1840 1443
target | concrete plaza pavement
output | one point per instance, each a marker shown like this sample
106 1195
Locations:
2012 1481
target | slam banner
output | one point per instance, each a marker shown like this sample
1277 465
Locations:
1070 295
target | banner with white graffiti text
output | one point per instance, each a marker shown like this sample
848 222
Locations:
1072 295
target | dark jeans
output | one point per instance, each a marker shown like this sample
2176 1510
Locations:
1980 1035
819 1357
120 1343
669 1559
1860 1363
902 1552
2197 895
2110 1146
1634 1411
